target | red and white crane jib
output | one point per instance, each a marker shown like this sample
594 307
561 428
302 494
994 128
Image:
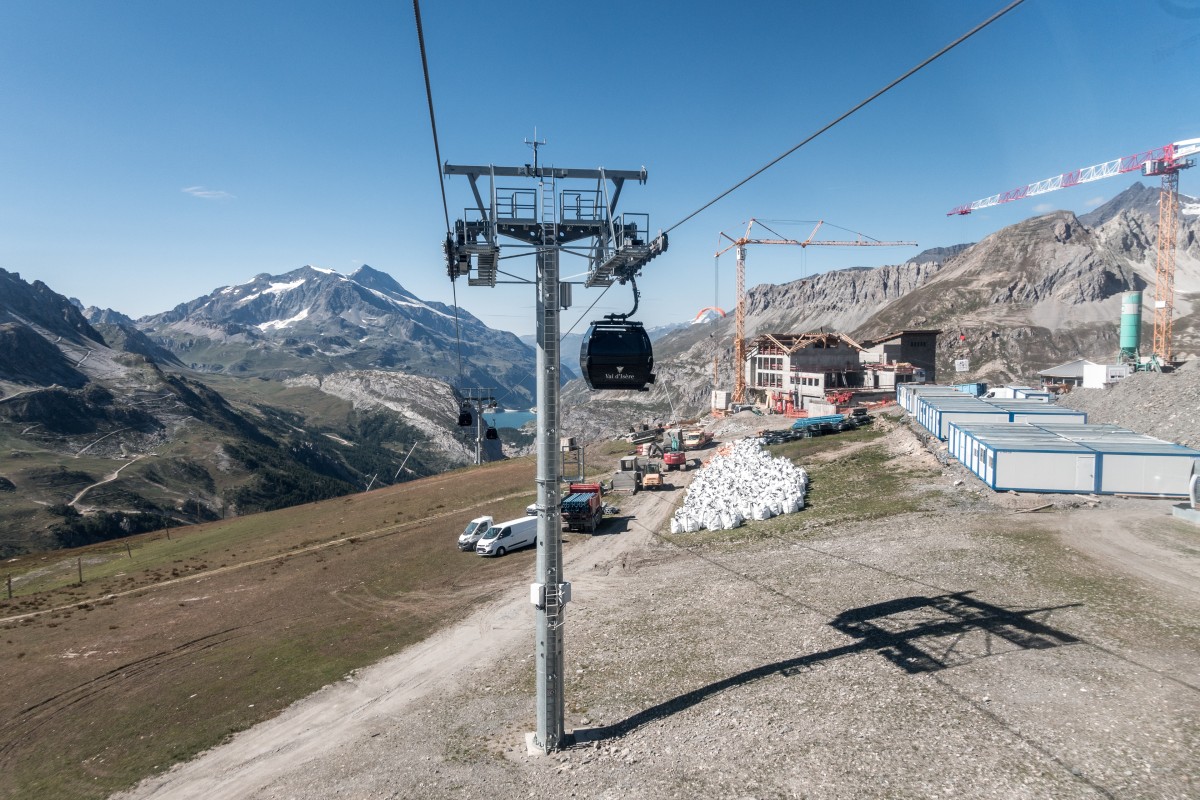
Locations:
1152 162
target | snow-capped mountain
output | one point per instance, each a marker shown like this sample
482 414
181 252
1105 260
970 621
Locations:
317 321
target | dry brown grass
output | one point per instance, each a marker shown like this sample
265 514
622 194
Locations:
156 657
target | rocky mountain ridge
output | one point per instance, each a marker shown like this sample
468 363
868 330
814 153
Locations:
317 378
98 440
317 321
1028 297
1048 290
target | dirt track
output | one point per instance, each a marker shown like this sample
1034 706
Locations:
960 650
319 726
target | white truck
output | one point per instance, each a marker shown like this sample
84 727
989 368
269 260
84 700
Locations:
504 537
472 533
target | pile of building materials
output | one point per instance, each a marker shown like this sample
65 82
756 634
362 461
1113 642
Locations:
741 482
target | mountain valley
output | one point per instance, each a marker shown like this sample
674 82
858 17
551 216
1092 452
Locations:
311 384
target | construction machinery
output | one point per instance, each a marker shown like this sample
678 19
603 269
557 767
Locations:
652 475
671 451
739 333
675 459
840 398
628 477
643 436
1165 162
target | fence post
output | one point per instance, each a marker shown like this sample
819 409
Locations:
129 550
79 563
10 586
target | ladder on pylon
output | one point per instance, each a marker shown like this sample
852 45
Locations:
549 217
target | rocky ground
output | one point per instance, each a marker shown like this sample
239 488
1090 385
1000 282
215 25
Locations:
1163 405
955 648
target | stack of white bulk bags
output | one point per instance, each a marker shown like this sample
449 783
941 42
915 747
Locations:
743 483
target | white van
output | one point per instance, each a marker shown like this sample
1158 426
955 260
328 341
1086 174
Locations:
504 537
470 535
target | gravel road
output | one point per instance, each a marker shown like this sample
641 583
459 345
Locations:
959 650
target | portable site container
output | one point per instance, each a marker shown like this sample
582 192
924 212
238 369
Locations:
938 412
1097 459
973 389
1101 376
908 394
1010 392
1036 411
1023 457
1083 432
1025 393
1133 463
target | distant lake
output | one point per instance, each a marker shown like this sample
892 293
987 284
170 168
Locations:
509 419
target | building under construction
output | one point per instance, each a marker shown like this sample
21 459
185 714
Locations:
793 370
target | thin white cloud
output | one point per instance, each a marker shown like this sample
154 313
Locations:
207 194
1095 201
1042 208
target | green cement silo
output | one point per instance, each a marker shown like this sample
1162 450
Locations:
1131 325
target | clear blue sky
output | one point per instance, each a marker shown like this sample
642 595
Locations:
151 152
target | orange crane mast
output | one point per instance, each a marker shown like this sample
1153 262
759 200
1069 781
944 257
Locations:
739 333
1165 162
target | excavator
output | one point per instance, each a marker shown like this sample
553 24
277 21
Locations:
671 450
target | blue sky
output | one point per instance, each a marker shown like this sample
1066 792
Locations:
154 151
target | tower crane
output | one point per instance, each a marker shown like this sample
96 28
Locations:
739 342
1165 162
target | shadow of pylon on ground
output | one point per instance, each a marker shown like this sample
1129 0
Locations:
975 630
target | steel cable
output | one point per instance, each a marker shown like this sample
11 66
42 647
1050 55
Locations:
877 94
437 154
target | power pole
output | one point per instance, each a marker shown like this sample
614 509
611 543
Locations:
546 222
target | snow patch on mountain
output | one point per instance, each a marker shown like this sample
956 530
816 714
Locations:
283 323
274 288
401 304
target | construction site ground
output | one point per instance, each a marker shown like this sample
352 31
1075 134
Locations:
908 635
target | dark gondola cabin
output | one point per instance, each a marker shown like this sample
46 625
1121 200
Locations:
617 355
465 420
491 433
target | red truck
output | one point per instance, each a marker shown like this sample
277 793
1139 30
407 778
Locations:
582 508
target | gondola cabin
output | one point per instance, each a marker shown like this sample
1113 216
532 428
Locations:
465 419
617 355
